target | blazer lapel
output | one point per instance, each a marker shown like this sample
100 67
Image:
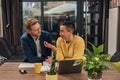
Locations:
32 44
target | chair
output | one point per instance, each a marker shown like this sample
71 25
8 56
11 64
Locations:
117 65
9 51
115 59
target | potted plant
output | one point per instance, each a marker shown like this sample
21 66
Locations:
95 62
52 75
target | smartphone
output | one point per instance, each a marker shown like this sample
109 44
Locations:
23 71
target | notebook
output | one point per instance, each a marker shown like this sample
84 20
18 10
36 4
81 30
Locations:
66 67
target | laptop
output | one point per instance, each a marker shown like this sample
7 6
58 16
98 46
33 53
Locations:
66 67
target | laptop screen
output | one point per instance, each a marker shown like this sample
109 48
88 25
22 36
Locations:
66 67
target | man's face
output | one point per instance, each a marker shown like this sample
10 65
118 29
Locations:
64 33
35 30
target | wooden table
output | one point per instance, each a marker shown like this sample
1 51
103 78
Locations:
10 71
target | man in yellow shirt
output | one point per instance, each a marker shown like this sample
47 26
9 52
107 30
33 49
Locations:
68 45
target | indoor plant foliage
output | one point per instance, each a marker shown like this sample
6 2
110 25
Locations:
95 62
52 68
51 75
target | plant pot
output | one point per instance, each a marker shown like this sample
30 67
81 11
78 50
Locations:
94 79
51 77
96 76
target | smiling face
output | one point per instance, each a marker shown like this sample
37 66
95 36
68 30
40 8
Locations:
35 30
33 27
65 33
67 30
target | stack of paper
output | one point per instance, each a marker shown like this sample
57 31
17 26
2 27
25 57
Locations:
45 67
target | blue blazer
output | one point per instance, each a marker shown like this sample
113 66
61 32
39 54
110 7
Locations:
29 47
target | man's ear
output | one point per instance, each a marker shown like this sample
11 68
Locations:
28 31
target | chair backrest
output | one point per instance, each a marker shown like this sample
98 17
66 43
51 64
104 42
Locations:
10 46
10 51
116 57
4 50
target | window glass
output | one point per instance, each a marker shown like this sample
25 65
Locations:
31 10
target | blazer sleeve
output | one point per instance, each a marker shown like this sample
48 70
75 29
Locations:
28 52
48 39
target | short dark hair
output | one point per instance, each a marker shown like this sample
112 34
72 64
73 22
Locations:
69 25
30 22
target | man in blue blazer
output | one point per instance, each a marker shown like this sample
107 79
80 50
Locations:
32 42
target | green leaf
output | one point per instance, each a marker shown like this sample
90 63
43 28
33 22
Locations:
91 67
88 51
90 73
99 49
93 47
77 62
52 68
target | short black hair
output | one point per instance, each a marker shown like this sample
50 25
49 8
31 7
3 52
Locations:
69 25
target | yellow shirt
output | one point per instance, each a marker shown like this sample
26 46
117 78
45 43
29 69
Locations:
70 51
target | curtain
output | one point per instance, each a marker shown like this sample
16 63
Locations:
12 23
1 30
105 24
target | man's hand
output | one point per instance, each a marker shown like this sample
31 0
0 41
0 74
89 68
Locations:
48 45
49 59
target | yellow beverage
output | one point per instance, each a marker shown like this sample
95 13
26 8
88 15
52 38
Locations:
38 67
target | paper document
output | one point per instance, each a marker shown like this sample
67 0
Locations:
45 67
26 65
